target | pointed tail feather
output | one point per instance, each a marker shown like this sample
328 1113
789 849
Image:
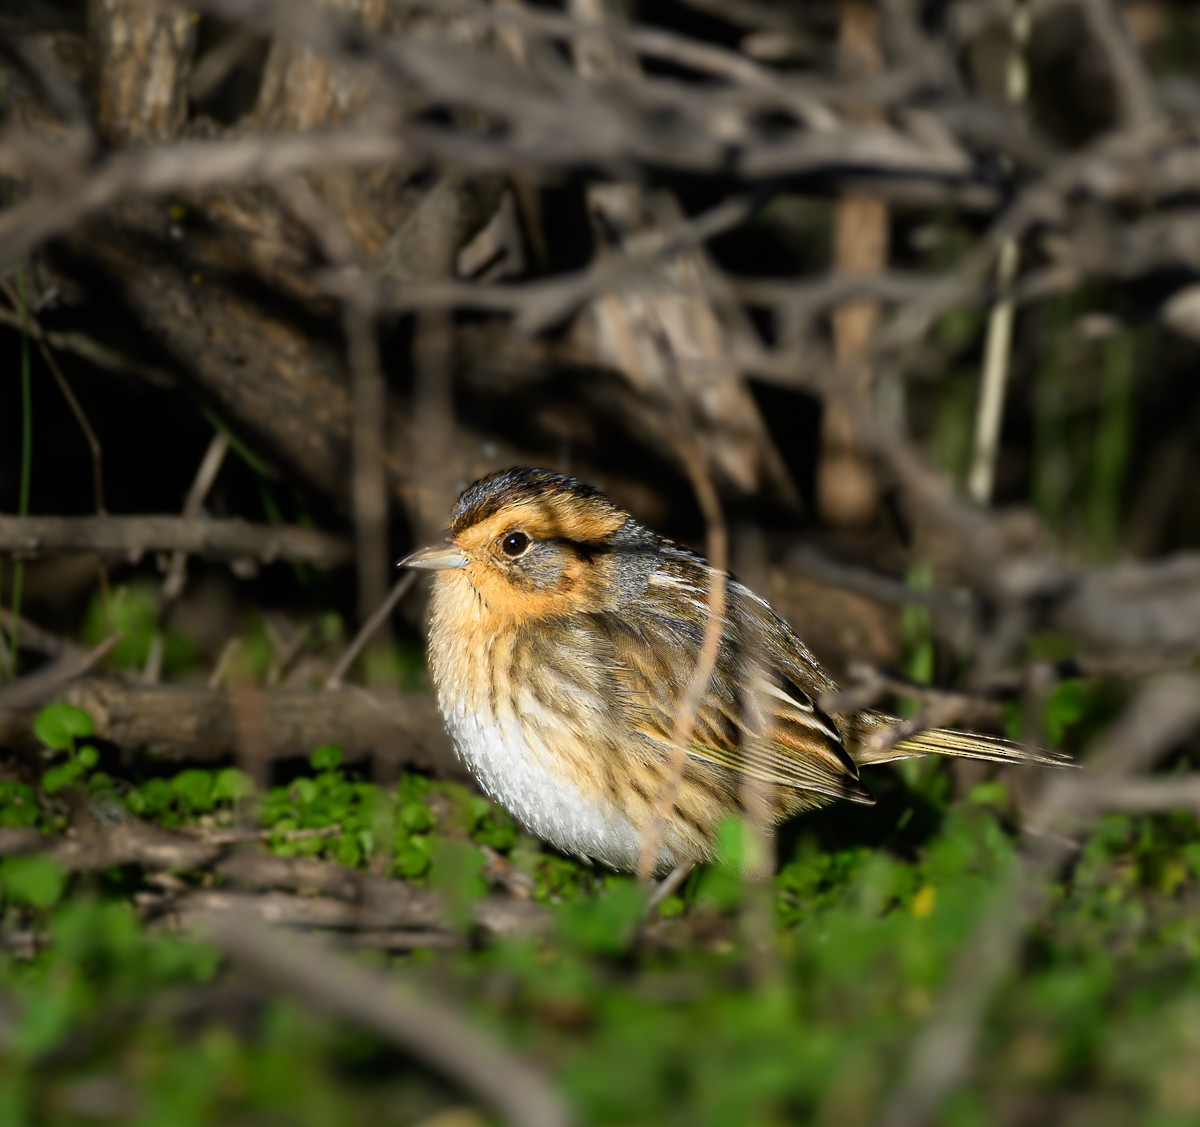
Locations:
947 741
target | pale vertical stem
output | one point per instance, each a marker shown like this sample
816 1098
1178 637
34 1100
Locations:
998 346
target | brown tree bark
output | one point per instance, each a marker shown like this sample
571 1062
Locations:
848 489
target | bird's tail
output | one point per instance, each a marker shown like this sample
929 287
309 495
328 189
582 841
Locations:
869 747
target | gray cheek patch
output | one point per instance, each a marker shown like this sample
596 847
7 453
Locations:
539 569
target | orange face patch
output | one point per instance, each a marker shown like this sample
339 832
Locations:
553 573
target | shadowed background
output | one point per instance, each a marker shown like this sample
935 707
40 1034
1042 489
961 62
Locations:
894 306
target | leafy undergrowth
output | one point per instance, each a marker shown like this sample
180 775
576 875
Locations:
797 1000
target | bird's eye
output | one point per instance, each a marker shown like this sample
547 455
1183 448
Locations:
514 544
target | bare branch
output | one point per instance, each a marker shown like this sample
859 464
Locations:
182 722
130 538
1135 91
417 1024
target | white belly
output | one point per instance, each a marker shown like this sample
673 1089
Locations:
529 775
516 771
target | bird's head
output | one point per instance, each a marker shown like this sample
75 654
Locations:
537 544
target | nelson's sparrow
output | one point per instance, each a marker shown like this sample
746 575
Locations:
563 637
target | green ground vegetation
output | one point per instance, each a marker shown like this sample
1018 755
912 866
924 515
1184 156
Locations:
793 1000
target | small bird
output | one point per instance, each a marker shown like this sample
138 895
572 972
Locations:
563 638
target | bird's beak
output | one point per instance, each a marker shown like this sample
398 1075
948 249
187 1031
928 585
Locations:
438 557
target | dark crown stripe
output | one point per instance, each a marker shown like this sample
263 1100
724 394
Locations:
489 495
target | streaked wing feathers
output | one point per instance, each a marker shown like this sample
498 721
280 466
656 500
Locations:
789 743
755 722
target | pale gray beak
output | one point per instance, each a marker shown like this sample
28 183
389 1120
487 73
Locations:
439 557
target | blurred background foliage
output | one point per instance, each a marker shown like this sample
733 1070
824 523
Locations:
952 955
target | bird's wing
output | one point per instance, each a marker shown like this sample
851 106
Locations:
757 721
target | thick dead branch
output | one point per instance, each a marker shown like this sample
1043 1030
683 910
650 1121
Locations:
182 722
403 917
288 891
388 1006
1130 607
1150 608
132 537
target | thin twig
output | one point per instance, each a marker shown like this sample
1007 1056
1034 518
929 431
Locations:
176 577
93 351
717 549
399 589
35 330
30 636
37 688
235 837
